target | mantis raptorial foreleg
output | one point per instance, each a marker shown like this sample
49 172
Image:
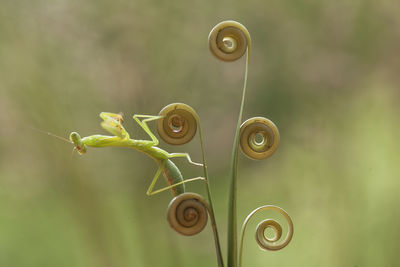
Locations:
113 123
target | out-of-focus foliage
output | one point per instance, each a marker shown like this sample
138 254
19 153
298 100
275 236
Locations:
326 72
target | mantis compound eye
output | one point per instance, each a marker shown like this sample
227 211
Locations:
259 138
76 139
179 124
229 40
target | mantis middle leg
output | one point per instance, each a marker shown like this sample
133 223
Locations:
184 155
145 127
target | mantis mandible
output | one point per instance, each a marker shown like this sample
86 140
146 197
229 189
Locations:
112 122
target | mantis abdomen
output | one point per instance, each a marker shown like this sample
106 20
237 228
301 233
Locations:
173 176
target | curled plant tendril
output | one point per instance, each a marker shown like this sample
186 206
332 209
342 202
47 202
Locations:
229 40
179 124
261 238
264 242
259 138
187 214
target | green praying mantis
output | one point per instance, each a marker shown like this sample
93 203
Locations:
112 123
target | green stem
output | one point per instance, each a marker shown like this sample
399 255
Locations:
232 215
211 210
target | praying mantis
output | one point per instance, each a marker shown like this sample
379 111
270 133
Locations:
112 123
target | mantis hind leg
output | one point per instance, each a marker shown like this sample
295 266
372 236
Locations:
153 183
150 191
145 127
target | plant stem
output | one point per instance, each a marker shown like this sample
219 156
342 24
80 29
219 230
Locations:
232 215
212 216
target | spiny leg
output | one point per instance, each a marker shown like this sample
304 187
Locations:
153 183
115 116
112 123
150 191
161 167
184 155
145 127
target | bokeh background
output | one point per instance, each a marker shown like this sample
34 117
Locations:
326 72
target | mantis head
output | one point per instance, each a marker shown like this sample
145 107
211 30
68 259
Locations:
76 139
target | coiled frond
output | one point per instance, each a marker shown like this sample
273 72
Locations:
276 242
187 214
259 138
229 40
179 124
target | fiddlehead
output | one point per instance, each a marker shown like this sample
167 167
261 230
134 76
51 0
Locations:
229 40
276 242
179 124
259 138
187 214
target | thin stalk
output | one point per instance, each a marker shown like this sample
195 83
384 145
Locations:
274 245
211 210
232 215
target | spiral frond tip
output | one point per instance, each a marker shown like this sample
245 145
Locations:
229 40
178 125
259 138
187 214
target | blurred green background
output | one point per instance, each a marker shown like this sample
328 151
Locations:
326 72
